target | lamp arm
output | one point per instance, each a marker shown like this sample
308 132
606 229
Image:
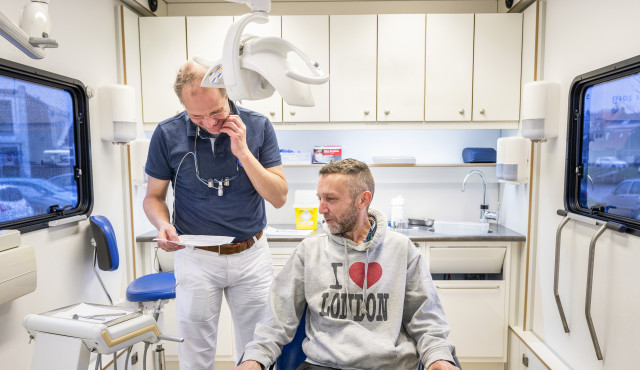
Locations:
19 38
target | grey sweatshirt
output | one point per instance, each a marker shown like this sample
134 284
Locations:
369 306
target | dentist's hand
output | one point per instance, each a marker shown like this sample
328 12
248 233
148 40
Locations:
249 365
168 232
237 131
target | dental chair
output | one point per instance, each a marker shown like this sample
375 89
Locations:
292 355
65 339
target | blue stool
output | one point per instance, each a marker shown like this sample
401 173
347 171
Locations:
149 291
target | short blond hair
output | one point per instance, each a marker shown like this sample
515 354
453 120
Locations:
189 73
359 177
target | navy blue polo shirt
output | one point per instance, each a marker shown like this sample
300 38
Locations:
198 210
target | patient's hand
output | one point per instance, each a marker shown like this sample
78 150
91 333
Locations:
249 365
442 365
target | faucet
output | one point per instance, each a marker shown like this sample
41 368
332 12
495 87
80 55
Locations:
485 214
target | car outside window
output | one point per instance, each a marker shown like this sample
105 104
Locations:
45 171
603 145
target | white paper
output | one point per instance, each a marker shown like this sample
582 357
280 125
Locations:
201 240
271 231
87 312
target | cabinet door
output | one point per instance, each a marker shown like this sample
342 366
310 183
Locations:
163 50
310 33
401 67
205 36
352 46
271 106
449 67
476 313
497 65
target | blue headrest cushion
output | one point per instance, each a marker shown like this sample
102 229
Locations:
106 246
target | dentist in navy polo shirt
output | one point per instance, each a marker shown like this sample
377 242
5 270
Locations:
222 162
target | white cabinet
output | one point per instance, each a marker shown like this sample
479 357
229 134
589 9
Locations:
271 106
401 43
473 283
449 67
310 33
352 46
496 68
205 36
521 357
163 50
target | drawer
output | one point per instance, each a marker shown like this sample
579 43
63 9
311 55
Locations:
476 313
470 260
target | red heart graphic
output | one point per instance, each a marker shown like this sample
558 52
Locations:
356 271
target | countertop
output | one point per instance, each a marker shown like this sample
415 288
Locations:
416 234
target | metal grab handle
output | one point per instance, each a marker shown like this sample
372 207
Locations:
587 304
556 270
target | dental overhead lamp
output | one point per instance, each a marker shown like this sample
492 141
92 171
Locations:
32 35
253 68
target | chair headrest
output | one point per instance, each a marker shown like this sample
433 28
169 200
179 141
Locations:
106 245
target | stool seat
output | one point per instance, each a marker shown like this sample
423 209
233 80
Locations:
152 287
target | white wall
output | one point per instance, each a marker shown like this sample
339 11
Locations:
581 36
429 192
85 31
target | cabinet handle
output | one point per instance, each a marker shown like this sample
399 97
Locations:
272 113
468 287
366 112
461 111
482 111
525 360
386 112
293 113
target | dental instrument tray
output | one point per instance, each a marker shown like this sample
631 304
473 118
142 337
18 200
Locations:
103 329
479 155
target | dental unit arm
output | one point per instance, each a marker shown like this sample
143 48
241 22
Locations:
253 68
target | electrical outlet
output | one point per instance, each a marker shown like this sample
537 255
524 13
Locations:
134 358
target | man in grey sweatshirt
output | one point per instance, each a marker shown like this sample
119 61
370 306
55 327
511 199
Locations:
369 297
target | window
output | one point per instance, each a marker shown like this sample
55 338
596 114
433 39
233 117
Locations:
603 141
45 170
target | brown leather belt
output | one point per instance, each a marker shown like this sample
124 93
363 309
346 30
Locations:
232 248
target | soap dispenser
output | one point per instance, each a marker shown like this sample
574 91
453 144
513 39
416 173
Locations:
397 212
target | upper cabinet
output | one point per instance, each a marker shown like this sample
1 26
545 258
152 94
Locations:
449 67
271 106
310 33
205 36
496 68
352 85
163 50
401 68
401 43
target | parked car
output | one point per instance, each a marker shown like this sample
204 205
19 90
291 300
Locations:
13 205
611 162
65 181
40 193
624 199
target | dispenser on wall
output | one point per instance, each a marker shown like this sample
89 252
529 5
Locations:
512 160
540 104
117 113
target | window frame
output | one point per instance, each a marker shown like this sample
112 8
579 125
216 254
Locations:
82 169
574 169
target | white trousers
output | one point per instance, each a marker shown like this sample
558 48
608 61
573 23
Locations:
202 277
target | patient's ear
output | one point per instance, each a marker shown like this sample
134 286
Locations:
364 199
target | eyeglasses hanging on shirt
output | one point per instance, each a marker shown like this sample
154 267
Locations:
211 183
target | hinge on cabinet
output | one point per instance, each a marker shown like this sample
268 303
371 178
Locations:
525 360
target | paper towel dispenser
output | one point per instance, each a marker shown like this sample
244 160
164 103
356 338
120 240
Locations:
17 267
540 105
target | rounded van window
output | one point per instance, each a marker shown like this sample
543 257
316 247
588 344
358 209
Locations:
10 194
